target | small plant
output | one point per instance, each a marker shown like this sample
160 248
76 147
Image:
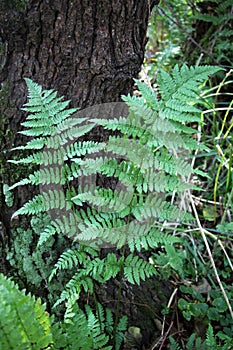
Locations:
212 342
23 320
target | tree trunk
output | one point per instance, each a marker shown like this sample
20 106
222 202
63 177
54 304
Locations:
89 51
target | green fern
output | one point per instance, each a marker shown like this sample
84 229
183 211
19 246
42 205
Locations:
89 270
95 329
24 322
72 258
174 345
149 238
136 269
148 159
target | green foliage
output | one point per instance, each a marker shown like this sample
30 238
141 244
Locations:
90 332
95 330
148 158
31 267
217 17
166 37
23 321
169 260
149 164
136 269
194 305
212 342
193 31
203 302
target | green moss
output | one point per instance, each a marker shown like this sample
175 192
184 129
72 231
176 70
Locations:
14 4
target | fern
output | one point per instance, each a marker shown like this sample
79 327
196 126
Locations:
136 269
23 321
95 329
72 258
174 345
149 238
183 84
148 162
210 339
97 269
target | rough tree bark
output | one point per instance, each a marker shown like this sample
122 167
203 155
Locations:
87 50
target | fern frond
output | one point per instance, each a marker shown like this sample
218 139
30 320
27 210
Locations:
82 330
46 234
136 153
120 331
24 322
70 259
34 144
139 108
46 110
183 82
160 182
97 269
53 199
105 199
78 149
150 238
191 342
71 172
136 269
34 206
131 127
67 224
89 166
111 233
50 175
55 156
44 131
210 338
173 344
73 288
104 269
181 112
149 95
127 172
171 164
156 207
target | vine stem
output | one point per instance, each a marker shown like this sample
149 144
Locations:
168 306
165 336
203 233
